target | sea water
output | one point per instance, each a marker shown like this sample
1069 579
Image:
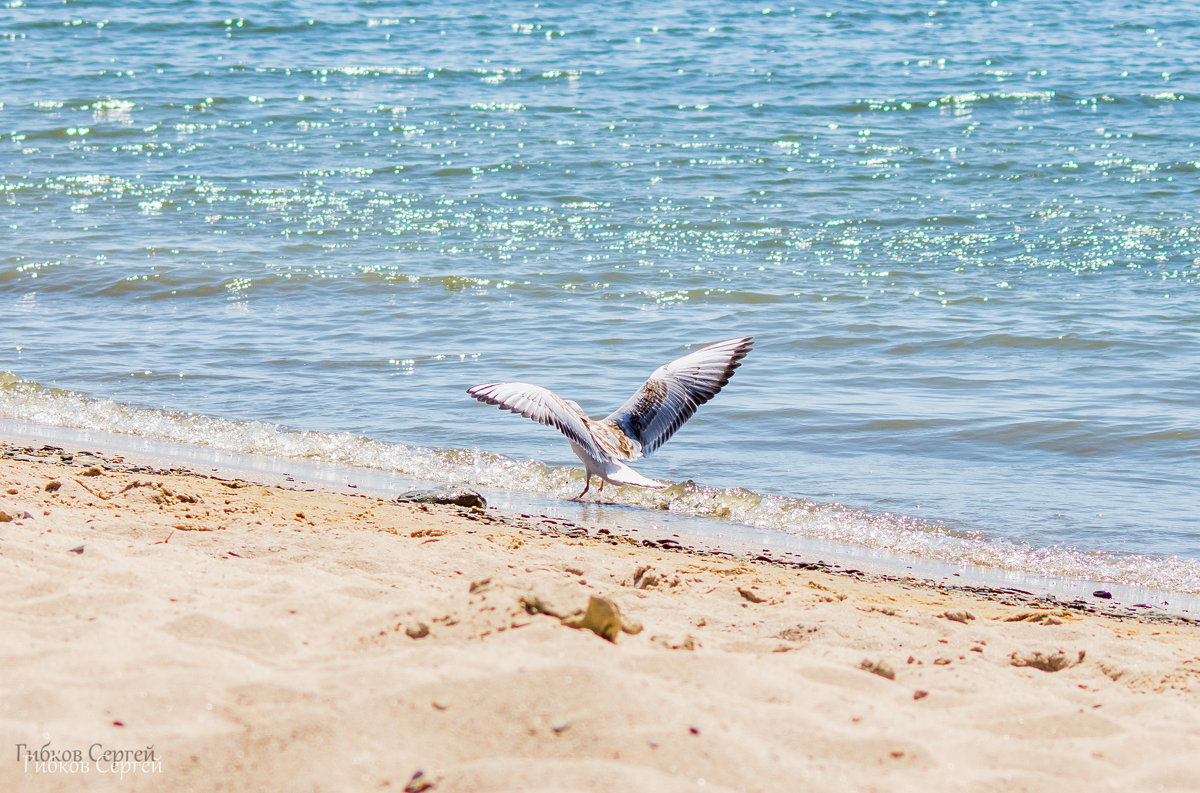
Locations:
964 236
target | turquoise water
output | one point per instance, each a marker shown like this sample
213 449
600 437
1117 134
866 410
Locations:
964 235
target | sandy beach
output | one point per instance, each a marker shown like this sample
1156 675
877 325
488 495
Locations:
168 630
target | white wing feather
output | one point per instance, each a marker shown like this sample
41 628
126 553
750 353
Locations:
543 406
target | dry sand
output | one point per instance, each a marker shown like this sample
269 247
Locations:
268 639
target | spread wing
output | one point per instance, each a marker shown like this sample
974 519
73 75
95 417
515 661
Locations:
543 406
672 394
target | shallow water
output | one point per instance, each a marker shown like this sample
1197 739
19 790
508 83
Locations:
964 235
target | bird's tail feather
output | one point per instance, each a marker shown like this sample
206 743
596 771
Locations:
627 476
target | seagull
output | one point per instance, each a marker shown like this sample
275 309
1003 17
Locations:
645 422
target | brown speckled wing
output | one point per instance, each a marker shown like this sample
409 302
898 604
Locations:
672 394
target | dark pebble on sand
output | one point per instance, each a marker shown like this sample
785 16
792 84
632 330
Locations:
1100 593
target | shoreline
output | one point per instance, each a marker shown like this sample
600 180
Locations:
698 531
260 637
551 524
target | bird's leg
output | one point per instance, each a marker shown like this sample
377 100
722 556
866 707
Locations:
587 482
601 489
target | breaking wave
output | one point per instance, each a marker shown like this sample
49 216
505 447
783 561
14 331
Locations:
28 401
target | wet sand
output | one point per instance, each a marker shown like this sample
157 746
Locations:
261 638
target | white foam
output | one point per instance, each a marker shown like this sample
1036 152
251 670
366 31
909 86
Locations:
27 401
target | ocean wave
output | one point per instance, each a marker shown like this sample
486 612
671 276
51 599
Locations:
1004 99
882 531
